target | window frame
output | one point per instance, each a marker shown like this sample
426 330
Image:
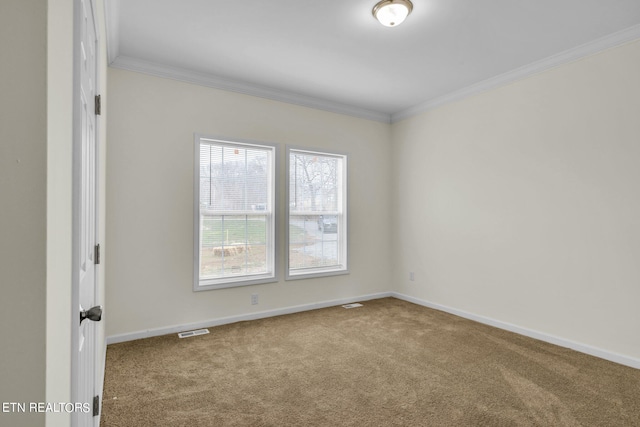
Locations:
343 217
272 218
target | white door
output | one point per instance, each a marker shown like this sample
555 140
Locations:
85 177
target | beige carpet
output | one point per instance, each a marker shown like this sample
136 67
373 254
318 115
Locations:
388 363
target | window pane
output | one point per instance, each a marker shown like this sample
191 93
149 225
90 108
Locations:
310 244
210 241
256 229
317 215
257 259
235 219
314 183
234 179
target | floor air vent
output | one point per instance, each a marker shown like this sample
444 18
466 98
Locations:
353 305
193 333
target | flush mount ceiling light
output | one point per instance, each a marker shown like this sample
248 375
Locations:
392 13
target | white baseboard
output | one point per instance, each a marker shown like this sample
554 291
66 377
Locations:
562 342
239 318
582 348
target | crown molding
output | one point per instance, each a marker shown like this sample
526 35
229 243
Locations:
210 80
574 54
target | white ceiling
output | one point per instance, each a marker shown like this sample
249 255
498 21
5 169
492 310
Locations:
333 54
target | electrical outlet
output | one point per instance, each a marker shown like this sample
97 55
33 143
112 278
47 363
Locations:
254 299
412 276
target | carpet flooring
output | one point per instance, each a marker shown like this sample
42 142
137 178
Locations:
388 363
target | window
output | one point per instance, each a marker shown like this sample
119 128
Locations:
234 223
317 213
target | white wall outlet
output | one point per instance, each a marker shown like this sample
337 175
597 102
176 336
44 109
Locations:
412 276
254 299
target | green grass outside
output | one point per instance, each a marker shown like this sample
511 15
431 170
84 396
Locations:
216 232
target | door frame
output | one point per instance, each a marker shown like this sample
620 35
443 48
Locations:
98 373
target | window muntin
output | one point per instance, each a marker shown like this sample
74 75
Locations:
317 213
234 214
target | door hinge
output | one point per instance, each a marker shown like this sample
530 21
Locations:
98 105
96 254
96 405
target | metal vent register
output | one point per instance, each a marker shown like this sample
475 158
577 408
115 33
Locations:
193 333
352 305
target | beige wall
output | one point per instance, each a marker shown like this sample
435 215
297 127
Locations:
521 204
23 184
59 213
150 197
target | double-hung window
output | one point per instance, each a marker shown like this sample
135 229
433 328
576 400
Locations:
234 223
317 213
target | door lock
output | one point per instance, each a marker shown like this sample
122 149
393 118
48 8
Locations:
94 313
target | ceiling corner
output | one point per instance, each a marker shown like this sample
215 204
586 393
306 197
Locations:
112 18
